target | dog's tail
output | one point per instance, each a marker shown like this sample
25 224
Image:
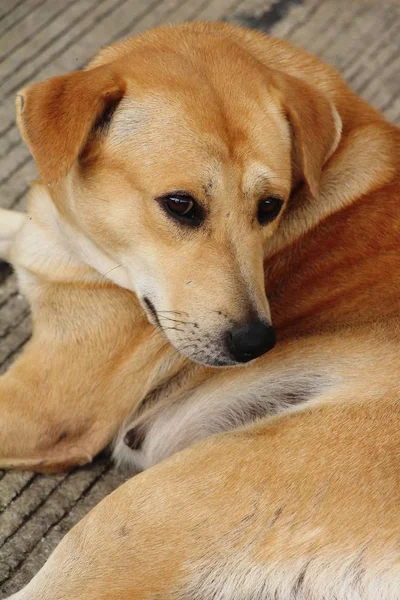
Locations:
10 223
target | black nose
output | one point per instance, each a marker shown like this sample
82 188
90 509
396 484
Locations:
250 340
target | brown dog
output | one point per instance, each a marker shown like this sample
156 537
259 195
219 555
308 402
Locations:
196 166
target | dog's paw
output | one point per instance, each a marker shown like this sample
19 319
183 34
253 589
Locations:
128 453
5 270
153 437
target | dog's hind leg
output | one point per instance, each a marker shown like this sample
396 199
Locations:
303 505
10 223
290 376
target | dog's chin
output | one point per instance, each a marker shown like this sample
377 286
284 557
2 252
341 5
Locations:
209 359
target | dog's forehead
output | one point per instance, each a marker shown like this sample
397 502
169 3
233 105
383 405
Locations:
186 91
194 134
160 117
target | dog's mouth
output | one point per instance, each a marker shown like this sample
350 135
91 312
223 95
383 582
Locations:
243 343
151 308
192 349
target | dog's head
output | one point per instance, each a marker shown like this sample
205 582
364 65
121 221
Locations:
176 160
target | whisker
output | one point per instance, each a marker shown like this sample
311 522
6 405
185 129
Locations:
173 328
177 312
185 346
176 320
113 269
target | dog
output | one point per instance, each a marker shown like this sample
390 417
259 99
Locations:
211 256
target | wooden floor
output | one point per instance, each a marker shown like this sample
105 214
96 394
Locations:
42 38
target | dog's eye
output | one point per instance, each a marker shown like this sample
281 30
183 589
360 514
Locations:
183 208
179 206
268 209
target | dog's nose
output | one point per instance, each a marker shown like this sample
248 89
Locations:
250 340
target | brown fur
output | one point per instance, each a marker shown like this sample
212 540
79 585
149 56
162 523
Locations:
301 505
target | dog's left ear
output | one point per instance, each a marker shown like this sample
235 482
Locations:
58 117
315 123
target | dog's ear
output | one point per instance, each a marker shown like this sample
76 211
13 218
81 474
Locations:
56 117
316 127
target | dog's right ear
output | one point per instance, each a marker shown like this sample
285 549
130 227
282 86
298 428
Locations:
56 117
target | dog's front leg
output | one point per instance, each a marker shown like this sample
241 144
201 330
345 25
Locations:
39 428
85 369
52 409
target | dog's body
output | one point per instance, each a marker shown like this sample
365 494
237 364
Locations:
301 505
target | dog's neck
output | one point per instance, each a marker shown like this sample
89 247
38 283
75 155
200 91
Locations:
53 262
331 250
49 248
